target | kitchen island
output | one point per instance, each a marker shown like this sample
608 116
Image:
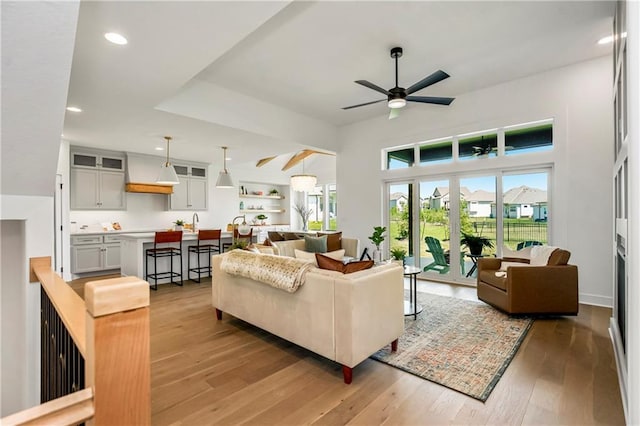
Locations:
132 254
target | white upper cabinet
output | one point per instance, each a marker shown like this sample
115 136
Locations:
191 193
97 180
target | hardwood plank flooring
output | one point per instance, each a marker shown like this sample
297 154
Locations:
228 372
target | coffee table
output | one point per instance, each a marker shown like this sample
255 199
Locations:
411 306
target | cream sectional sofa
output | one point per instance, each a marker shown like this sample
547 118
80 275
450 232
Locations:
344 318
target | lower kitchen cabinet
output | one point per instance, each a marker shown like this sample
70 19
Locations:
94 253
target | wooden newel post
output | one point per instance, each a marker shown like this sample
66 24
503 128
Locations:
117 362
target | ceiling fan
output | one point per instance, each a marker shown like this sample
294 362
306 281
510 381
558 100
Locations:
397 97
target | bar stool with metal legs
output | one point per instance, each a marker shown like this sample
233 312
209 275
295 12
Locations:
237 236
165 245
214 247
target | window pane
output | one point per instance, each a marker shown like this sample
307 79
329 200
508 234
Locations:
532 139
434 230
315 203
400 159
524 210
482 146
333 208
400 221
440 152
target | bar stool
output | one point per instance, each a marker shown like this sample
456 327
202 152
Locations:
164 246
215 247
237 236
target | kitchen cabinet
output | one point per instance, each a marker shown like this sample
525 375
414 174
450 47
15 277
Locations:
191 193
94 253
97 181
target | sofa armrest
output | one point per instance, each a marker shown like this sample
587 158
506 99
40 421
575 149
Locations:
369 312
489 263
551 289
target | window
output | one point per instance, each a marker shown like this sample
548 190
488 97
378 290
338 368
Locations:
323 203
530 139
401 158
479 146
434 153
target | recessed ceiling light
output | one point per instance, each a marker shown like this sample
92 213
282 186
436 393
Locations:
159 148
609 39
74 109
116 38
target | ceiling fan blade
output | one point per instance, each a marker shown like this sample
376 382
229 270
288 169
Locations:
430 100
428 81
264 161
394 113
370 85
367 103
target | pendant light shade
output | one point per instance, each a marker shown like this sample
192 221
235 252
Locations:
224 178
303 182
167 174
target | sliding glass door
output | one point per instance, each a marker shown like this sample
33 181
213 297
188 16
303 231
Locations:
440 221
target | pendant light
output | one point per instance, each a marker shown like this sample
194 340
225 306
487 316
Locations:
167 174
224 178
303 182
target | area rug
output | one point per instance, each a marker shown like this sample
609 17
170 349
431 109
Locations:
461 344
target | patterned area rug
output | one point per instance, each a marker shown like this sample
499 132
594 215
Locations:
460 344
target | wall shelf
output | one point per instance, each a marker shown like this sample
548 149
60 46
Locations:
262 211
272 197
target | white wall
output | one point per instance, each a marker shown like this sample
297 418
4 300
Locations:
37 215
577 97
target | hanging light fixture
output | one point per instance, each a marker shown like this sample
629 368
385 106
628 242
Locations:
167 174
303 182
224 178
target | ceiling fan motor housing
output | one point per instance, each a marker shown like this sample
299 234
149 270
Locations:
396 52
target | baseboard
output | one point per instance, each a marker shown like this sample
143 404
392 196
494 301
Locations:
595 300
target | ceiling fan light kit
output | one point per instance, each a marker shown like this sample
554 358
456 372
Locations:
397 97
167 175
224 178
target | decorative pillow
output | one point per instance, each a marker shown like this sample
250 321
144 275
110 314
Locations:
525 253
540 255
275 236
325 262
300 254
559 257
265 250
359 265
252 248
504 265
334 241
315 244
267 243
290 236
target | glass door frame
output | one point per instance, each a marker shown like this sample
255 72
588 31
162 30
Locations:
455 275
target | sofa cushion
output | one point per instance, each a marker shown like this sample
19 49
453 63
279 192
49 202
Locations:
489 277
540 255
559 257
315 244
325 262
301 254
504 265
334 241
524 253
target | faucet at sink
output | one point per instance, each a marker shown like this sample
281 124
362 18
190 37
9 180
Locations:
194 220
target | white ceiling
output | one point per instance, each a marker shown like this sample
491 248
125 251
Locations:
268 78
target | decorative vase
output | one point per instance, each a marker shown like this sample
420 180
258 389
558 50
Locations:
377 255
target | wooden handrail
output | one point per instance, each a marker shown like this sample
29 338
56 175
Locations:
111 330
69 305
72 409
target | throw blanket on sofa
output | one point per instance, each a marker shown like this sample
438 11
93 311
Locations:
285 273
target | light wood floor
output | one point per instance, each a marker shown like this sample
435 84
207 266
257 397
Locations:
227 372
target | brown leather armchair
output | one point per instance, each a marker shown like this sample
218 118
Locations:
549 289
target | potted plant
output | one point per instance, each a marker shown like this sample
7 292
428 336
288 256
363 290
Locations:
239 244
475 243
377 238
398 253
261 217
273 192
178 225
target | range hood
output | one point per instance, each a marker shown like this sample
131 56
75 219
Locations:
142 172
